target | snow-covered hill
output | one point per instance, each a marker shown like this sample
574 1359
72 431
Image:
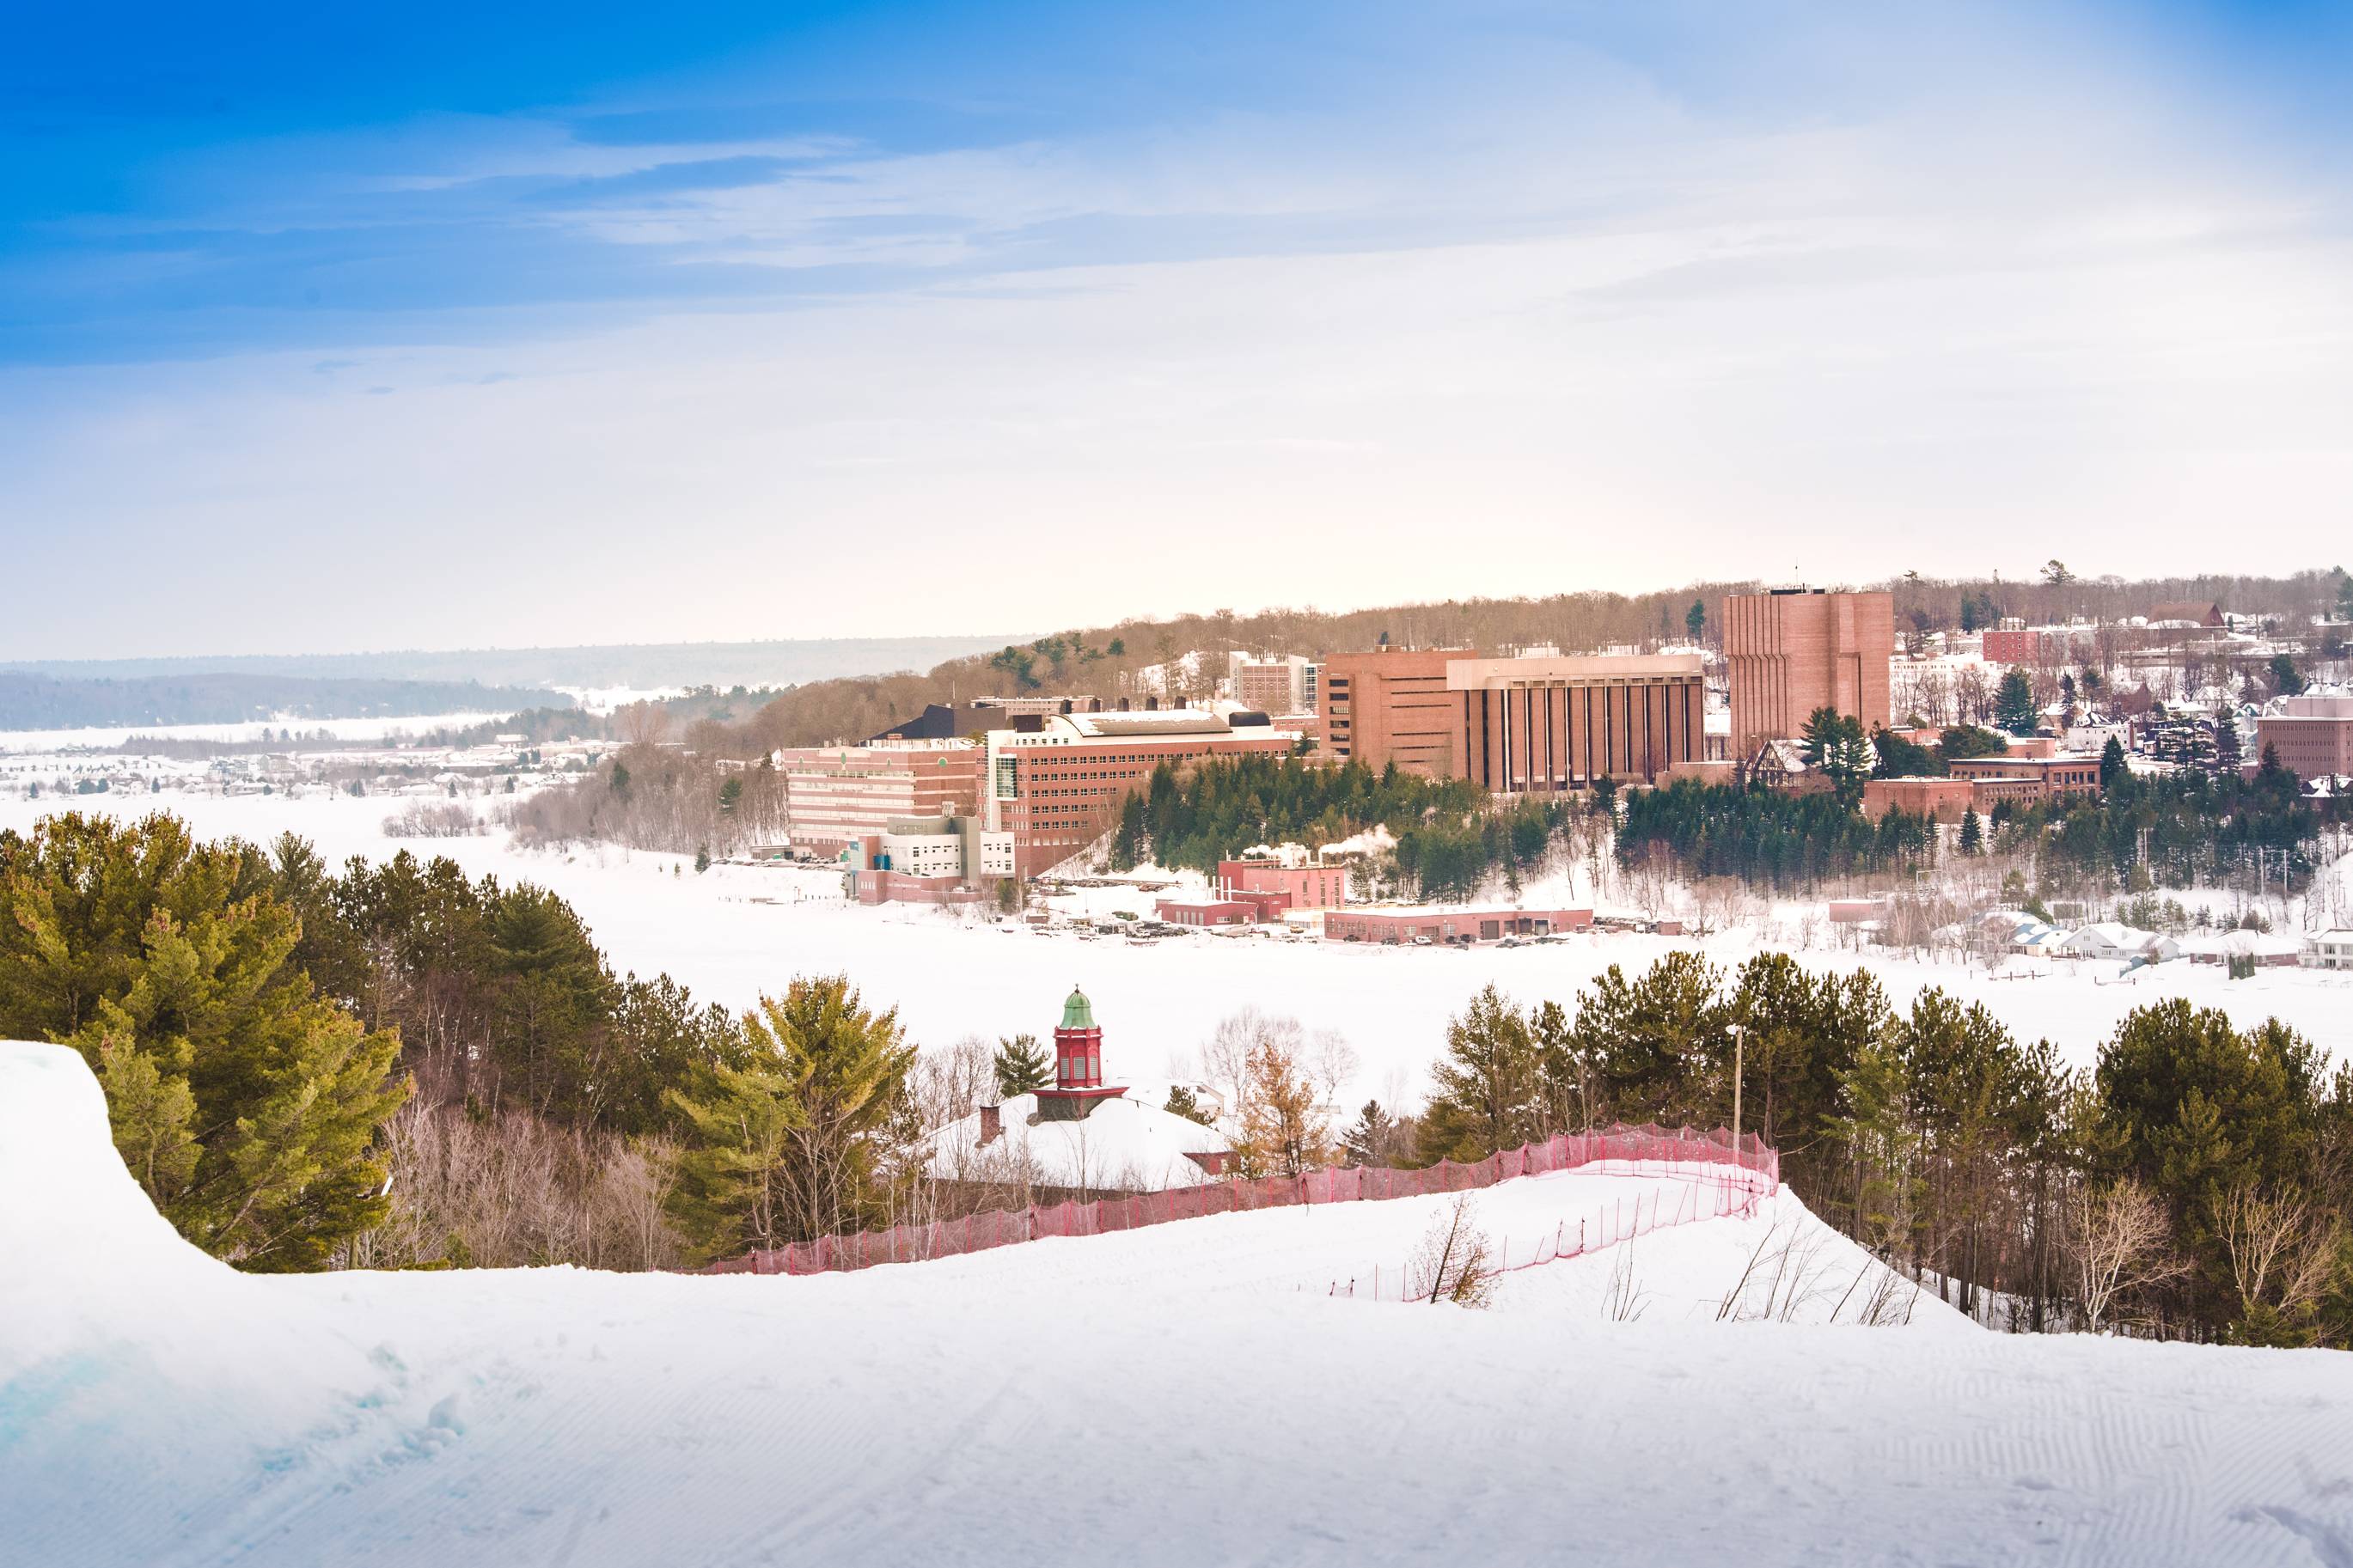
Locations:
1184 1394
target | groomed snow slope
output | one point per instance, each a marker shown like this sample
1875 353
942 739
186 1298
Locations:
1161 1396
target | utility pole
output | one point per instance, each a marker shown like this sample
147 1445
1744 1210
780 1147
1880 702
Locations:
1739 1034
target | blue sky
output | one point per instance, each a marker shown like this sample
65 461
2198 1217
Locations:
530 324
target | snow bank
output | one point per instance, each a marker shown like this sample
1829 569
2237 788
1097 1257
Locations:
1182 1395
140 1378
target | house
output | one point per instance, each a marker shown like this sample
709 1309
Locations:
2192 613
2109 939
1080 1137
2329 949
1782 765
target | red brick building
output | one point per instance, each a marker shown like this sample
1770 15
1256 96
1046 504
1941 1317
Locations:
1313 886
2313 735
1793 650
1543 725
1060 787
1392 706
1945 799
2026 780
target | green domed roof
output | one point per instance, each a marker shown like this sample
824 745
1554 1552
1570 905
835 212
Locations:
1078 1012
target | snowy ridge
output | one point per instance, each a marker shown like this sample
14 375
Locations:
1180 1394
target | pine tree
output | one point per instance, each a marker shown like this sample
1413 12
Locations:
794 1140
1835 743
1182 1101
2013 704
1972 832
1366 1142
701 859
1490 1089
731 795
1696 618
619 780
2113 765
2227 757
1023 1067
247 1106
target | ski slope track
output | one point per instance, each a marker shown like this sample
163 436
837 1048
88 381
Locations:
1185 1393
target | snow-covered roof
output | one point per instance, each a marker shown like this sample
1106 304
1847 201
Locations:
1125 1144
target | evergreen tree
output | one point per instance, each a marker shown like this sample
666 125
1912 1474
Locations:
1834 742
731 795
1023 1067
2285 680
1367 1140
246 1105
1182 1101
2013 704
1696 619
619 780
1662 1042
701 859
792 1142
2228 756
2113 765
1972 832
1490 1090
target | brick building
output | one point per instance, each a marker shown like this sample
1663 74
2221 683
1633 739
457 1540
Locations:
1392 706
2312 736
1313 886
1792 650
835 795
2027 780
1060 787
1540 725
1945 799
2042 648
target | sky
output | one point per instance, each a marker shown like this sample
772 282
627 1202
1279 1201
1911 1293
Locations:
325 331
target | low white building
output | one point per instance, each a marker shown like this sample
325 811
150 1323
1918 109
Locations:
2109 939
2329 949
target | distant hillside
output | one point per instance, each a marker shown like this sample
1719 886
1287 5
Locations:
638 665
44 702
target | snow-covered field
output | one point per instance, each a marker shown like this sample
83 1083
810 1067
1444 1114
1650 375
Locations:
737 929
1166 1396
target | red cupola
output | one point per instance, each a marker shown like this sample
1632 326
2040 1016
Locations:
1078 1064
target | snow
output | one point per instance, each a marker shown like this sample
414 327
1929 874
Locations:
1124 1144
1183 1395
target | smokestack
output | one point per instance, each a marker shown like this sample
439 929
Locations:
992 1125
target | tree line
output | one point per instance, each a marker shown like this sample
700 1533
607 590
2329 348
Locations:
2177 829
1450 837
2196 1182
396 1065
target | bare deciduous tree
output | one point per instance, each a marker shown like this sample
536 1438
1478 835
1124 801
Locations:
1453 1262
2119 1241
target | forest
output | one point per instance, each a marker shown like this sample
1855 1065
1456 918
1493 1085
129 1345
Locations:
1450 837
2180 829
2196 1182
